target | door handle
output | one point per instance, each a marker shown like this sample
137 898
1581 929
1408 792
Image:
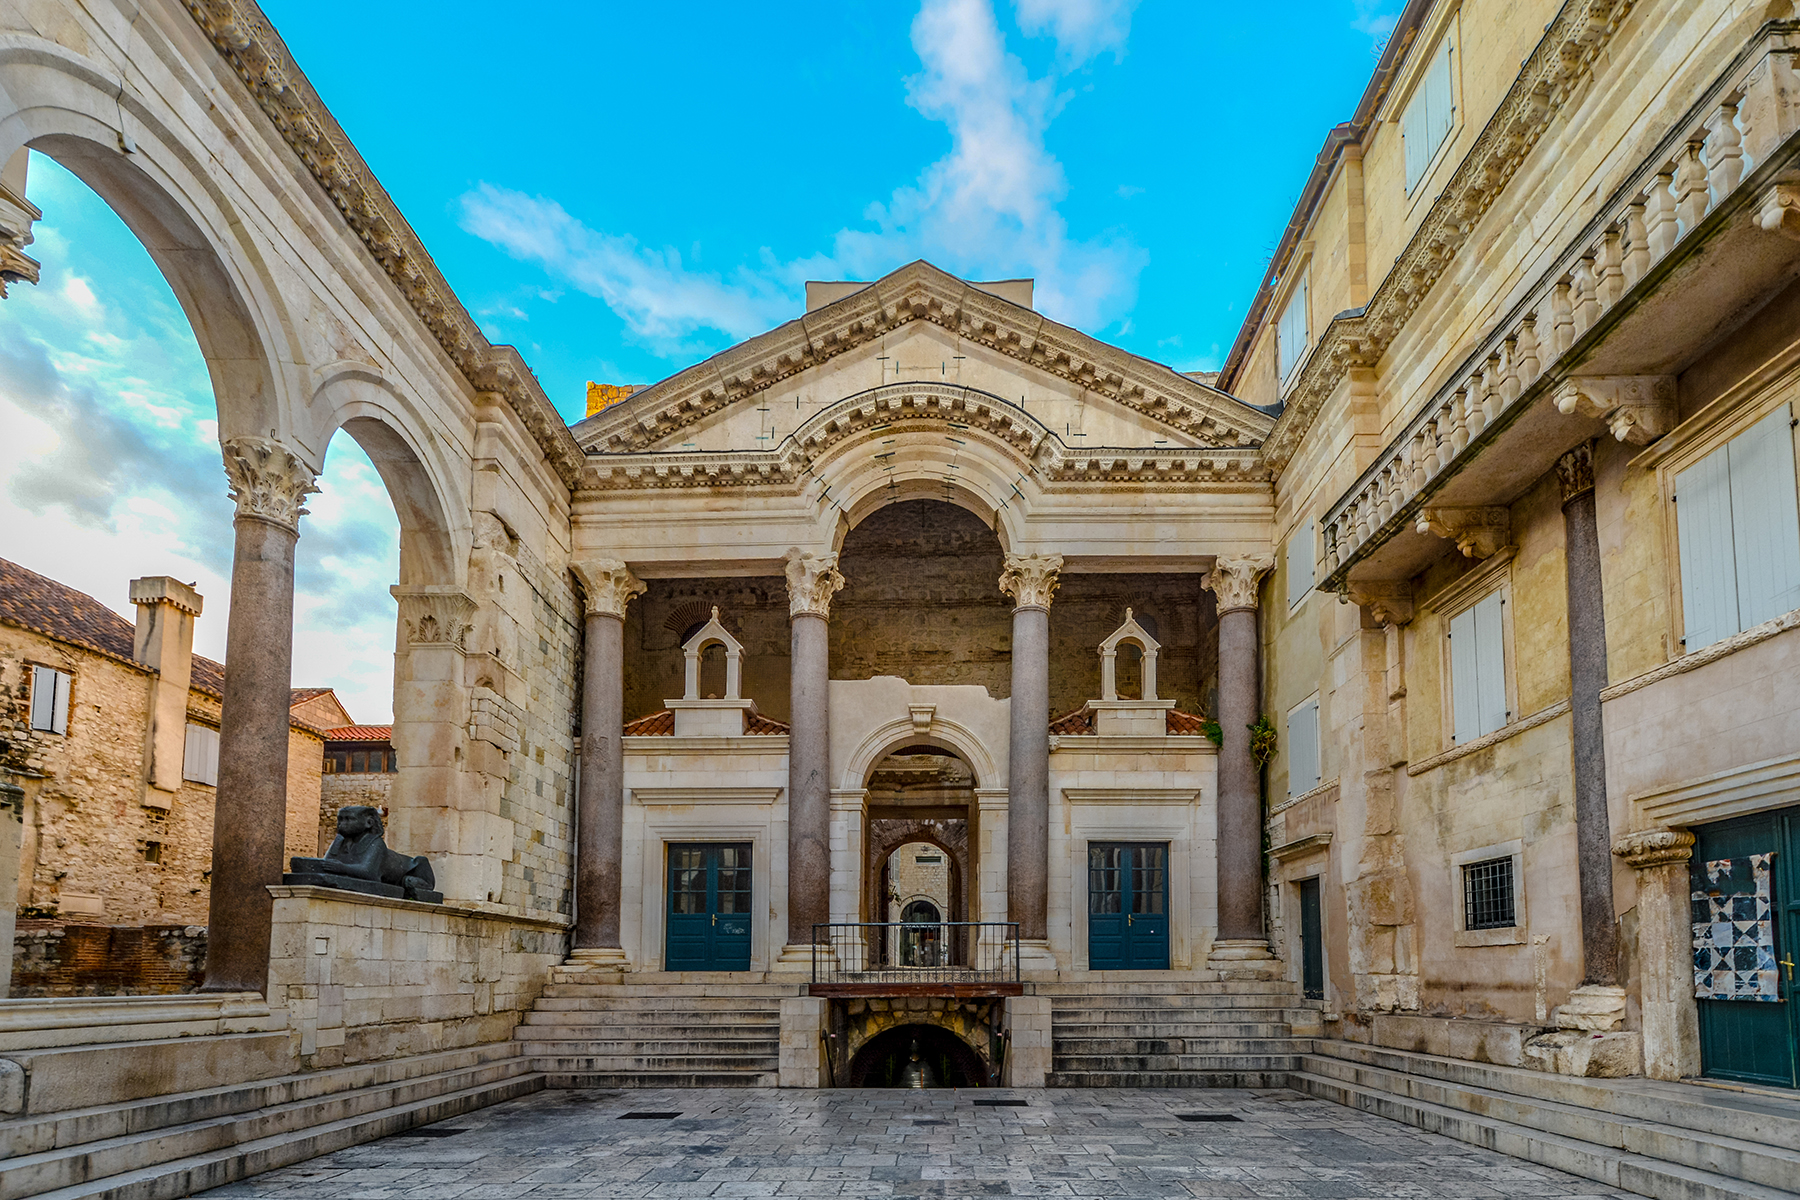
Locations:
1129 919
1788 962
715 918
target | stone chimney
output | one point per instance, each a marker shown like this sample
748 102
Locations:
166 609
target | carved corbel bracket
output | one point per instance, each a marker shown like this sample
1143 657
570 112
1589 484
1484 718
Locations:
1637 408
1779 211
1477 532
1655 848
1389 601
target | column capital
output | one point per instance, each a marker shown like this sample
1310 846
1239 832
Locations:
269 481
1655 848
812 580
435 616
608 584
1031 579
1234 580
1575 471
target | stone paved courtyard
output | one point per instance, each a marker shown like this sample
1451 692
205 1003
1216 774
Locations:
744 1143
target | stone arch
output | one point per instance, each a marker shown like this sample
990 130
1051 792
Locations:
951 1028
944 734
881 849
71 109
919 467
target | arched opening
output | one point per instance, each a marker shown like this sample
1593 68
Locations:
1129 668
917 1056
921 810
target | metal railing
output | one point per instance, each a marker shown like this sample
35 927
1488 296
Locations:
912 952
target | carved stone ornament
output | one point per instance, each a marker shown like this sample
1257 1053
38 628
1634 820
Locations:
1575 472
435 616
1655 848
1477 532
1637 408
1031 579
1780 210
812 580
608 584
269 482
1234 580
1389 601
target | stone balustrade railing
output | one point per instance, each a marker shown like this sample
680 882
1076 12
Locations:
1744 119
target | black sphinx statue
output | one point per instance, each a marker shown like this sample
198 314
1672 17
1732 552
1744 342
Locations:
359 861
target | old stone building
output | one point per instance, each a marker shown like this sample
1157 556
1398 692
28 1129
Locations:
1404 715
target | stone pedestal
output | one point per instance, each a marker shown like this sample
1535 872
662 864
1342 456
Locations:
1028 1049
1664 956
803 1046
1243 958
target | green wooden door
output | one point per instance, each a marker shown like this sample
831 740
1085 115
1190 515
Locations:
1756 1041
709 907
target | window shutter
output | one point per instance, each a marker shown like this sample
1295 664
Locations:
1465 703
1291 330
1300 563
1490 664
1765 520
1412 130
1303 748
200 758
1709 600
43 696
1439 112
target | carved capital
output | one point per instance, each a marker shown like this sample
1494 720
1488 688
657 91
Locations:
1031 579
1779 211
1637 408
1477 532
269 482
1389 601
812 580
609 585
1234 580
1655 848
1575 472
435 616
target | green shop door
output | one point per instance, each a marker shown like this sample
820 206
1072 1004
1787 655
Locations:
1745 877
1128 906
709 907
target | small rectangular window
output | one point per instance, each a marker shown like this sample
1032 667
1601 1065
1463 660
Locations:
153 852
1303 748
200 760
1429 116
50 699
1299 563
1478 669
1488 895
359 762
1292 332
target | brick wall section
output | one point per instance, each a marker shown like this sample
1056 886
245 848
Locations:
50 959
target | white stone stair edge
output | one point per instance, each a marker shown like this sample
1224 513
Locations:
1646 1176
195 1173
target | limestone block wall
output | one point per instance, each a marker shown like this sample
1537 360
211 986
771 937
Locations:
363 978
755 609
335 791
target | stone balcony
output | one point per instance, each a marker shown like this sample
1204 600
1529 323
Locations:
1705 228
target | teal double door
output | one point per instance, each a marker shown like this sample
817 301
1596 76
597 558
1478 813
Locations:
1749 1040
709 907
1128 906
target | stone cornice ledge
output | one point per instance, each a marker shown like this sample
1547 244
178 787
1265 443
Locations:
1329 785
256 53
1570 44
1130 795
286 891
1704 656
1541 717
1299 846
706 795
1092 743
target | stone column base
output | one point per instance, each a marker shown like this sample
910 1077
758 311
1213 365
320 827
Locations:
797 959
606 964
1587 1055
1593 1008
1243 958
1035 955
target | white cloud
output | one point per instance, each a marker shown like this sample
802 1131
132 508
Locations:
1375 18
987 209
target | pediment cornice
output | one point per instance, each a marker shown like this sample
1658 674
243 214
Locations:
922 292
899 408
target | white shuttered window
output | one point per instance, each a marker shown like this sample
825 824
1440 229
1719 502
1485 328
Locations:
1303 747
50 700
1299 564
1737 516
1429 116
1291 331
1478 669
200 762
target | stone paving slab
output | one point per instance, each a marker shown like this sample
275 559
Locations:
741 1143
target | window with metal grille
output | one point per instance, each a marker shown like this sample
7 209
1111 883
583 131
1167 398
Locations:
1488 894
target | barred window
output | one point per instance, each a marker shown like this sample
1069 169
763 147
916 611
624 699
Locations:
1488 894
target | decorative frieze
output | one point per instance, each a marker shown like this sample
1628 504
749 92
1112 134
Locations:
1031 579
1478 532
1234 580
1637 408
269 482
608 585
812 579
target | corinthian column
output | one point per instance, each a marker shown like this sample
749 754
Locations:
1240 944
270 484
600 804
1031 580
812 581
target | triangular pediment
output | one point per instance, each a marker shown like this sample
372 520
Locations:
1133 401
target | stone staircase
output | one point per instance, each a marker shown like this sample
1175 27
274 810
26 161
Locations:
658 1030
1672 1141
175 1145
1157 1033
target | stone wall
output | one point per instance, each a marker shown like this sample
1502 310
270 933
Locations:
54 959
363 978
335 791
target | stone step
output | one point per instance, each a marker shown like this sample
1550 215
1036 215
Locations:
1772 1164
179 1160
580 1078
1226 1078
653 1015
577 1058
1171 987
772 993
1173 1002
1173 1016
1137 1064
539 1047
1064 1047
1171 1029
1645 1175
577 1031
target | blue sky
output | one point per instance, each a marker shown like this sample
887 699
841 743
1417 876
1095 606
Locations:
620 190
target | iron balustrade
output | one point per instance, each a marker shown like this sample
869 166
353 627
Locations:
949 952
